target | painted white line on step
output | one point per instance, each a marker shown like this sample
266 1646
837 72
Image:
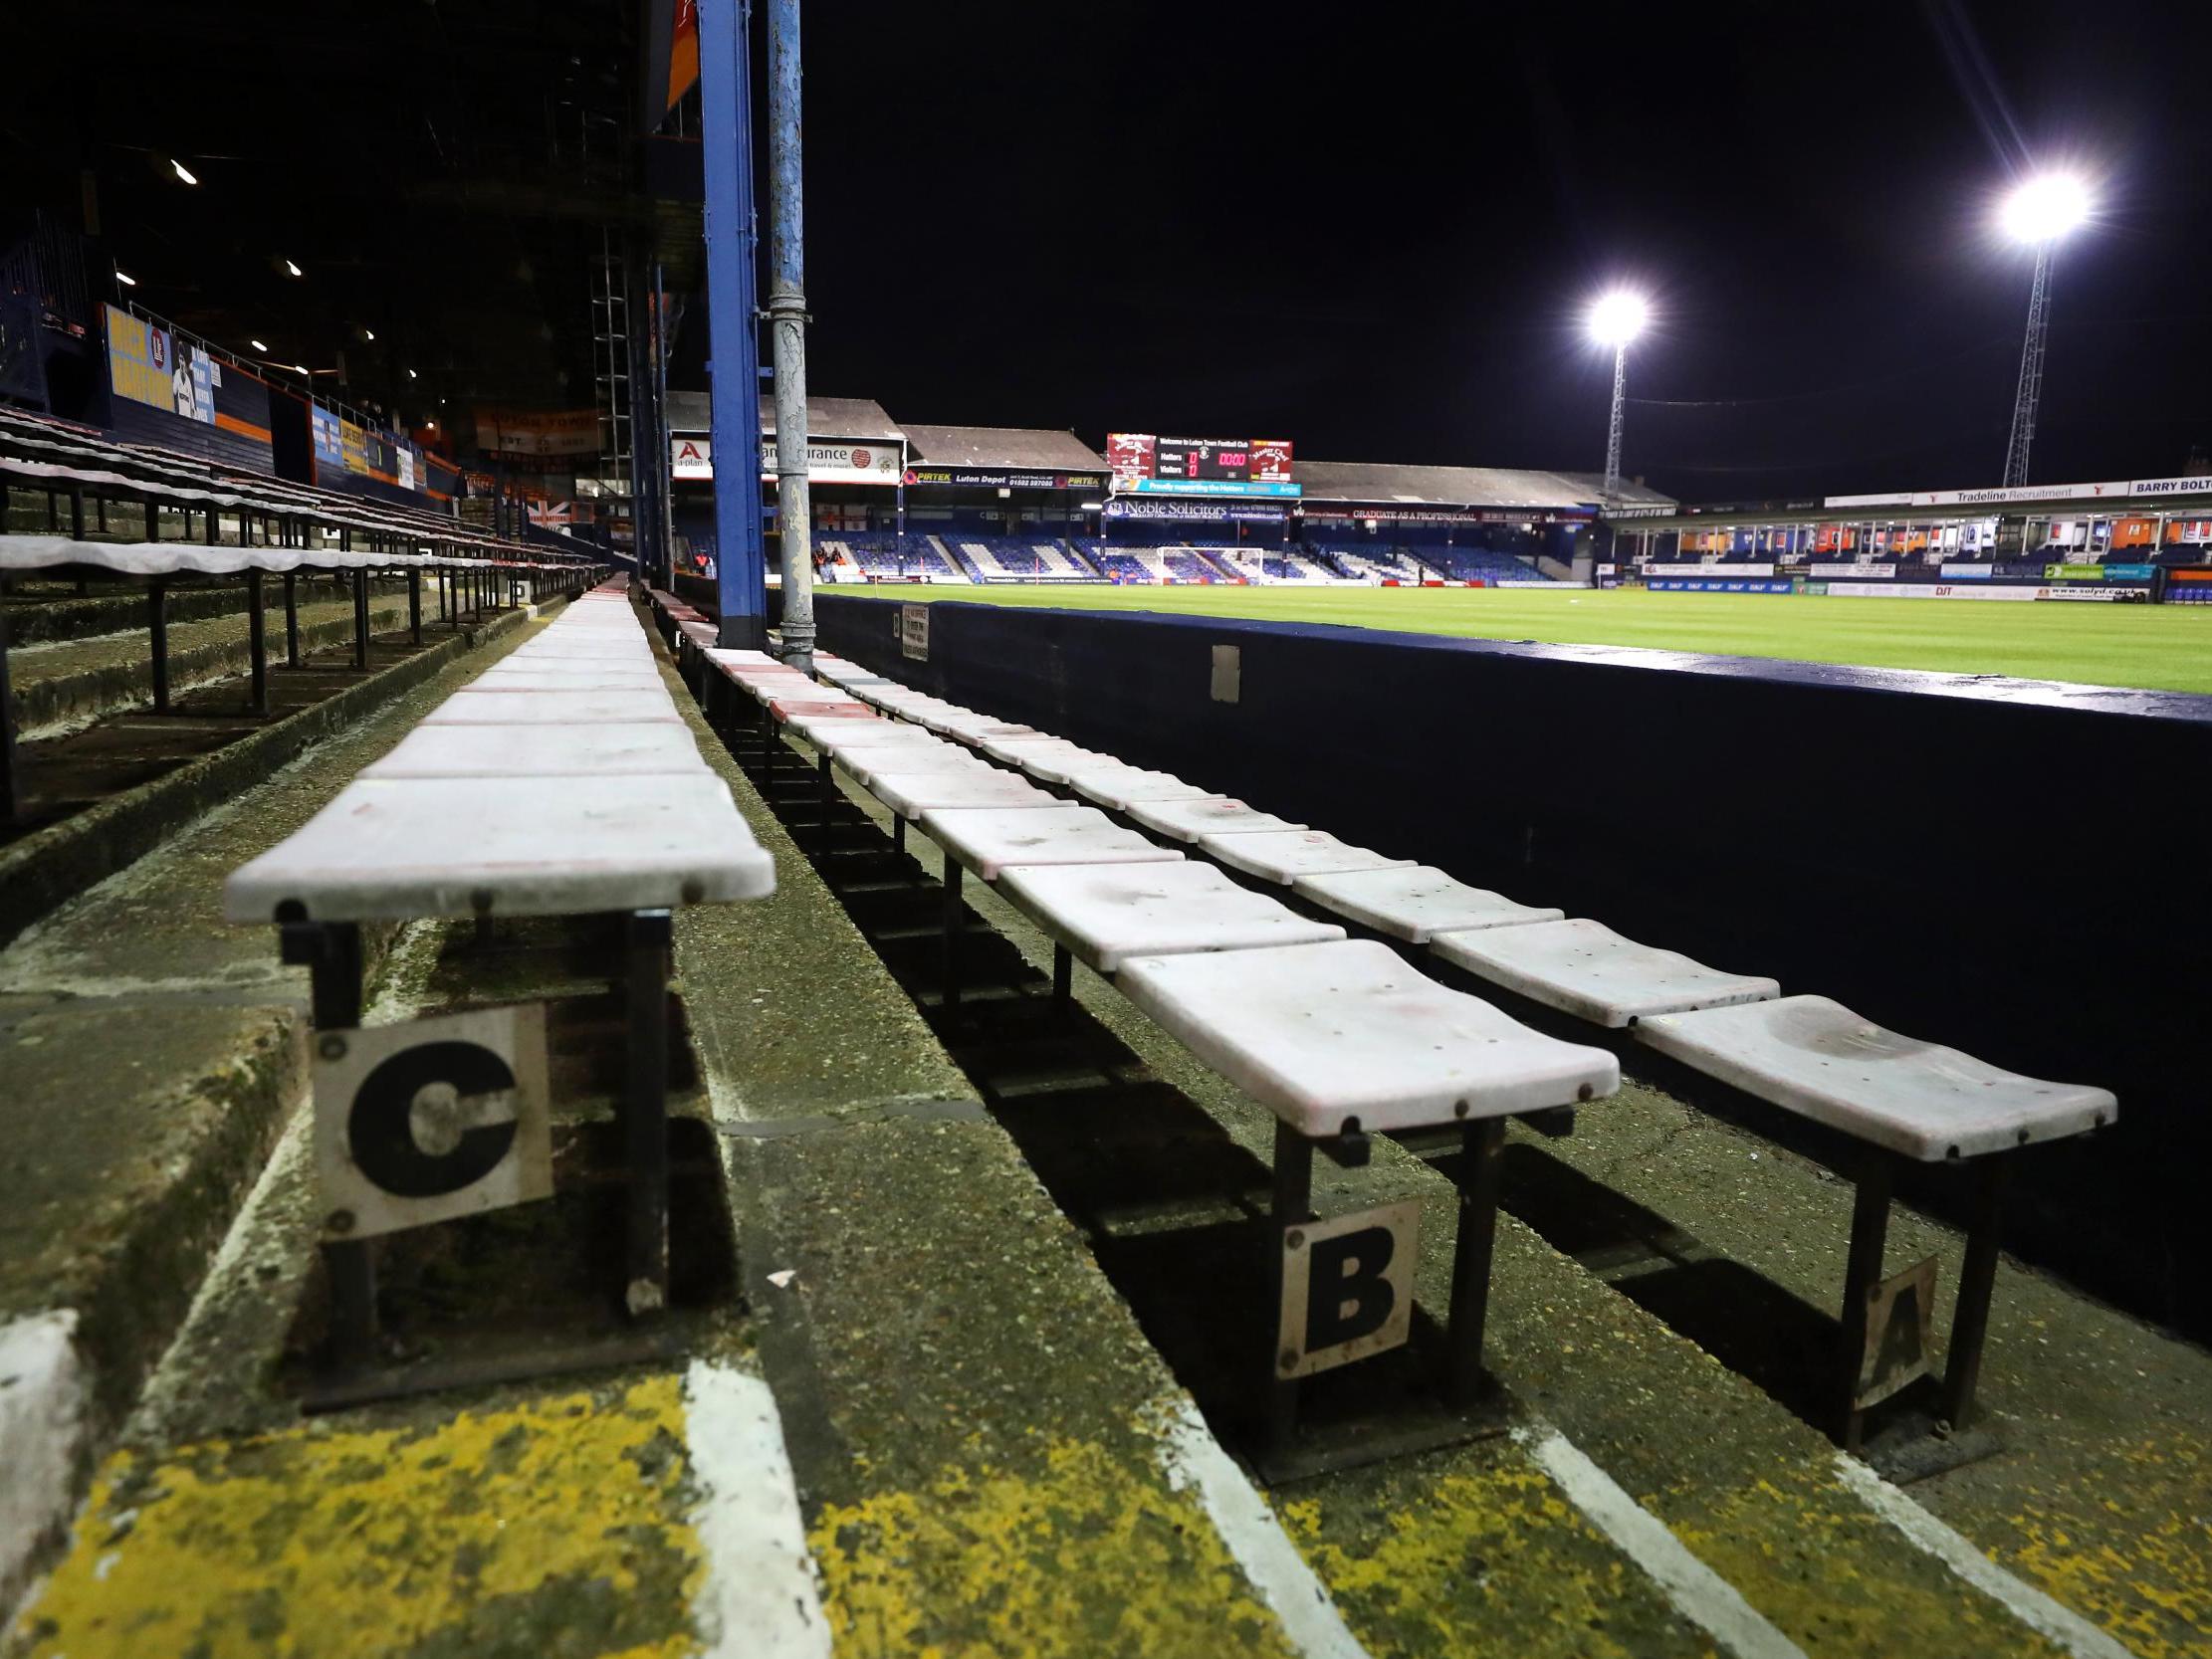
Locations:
1194 1460
759 1599
1694 1589
2030 1606
42 1393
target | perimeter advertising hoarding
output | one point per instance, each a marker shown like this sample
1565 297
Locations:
148 364
691 459
537 431
977 478
1200 513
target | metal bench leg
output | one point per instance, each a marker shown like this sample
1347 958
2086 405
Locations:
1962 1364
157 627
1292 1207
1870 1231
291 619
331 953
829 796
257 637
953 910
1481 1166
1063 977
645 1110
360 619
11 777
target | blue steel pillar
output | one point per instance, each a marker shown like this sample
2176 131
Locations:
726 124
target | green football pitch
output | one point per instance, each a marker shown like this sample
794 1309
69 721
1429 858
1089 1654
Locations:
2154 647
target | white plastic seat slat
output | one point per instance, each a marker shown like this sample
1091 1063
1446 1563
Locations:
1106 914
987 839
1815 1057
911 793
536 677
1120 787
393 850
840 735
864 766
552 707
1053 765
1413 903
593 751
1585 969
1285 855
1322 1034
1188 819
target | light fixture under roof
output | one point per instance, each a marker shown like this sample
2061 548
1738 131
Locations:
259 345
182 171
127 279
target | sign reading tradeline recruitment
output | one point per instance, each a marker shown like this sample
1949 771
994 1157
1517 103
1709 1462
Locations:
431 1118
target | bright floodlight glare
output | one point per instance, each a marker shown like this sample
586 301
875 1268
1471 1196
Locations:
258 346
127 279
182 171
2046 207
1618 318
291 268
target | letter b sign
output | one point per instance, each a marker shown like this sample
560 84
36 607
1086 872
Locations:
1347 1288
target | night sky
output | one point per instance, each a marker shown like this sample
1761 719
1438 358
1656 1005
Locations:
1371 230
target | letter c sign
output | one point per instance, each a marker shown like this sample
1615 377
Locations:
430 1119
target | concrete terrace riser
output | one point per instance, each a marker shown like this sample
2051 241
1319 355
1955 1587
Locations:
46 868
69 700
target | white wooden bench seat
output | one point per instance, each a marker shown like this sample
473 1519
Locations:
1120 787
985 840
1106 914
1324 1035
396 850
909 794
1282 856
1815 1058
469 707
1584 968
540 751
1413 903
1187 819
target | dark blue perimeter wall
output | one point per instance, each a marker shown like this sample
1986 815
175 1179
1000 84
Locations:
1993 865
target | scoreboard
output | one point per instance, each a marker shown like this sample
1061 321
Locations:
1167 462
1236 460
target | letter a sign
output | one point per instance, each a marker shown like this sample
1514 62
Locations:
1347 1288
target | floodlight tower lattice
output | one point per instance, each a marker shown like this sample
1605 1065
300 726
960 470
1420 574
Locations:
2030 392
1613 424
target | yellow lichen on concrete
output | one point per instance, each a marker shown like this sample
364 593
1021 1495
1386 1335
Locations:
1087 1554
1488 1559
553 1527
1836 1577
2142 1568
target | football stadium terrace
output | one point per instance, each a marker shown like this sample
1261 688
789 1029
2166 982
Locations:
1061 1129
1199 1051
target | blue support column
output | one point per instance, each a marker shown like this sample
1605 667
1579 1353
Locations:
725 128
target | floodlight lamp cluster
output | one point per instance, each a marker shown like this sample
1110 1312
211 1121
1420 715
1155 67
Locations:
2045 207
1618 318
